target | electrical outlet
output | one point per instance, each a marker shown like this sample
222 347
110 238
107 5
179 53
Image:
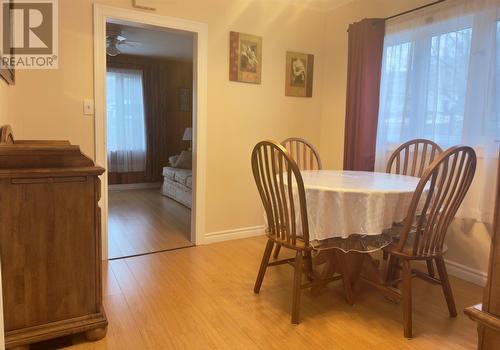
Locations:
88 107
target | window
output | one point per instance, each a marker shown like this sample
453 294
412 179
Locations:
441 81
424 88
126 137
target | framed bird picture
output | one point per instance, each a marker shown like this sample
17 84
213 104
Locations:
299 74
245 58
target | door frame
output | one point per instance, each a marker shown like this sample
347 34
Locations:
102 14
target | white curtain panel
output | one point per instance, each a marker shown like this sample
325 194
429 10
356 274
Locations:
441 81
126 137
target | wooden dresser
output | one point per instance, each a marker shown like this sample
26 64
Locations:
50 241
487 314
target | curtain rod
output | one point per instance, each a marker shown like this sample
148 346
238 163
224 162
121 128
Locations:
415 9
412 10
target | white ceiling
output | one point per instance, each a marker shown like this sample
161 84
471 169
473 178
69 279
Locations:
157 42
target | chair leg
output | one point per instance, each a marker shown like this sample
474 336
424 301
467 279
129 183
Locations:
297 283
385 255
392 269
308 265
430 268
263 266
407 299
277 251
445 283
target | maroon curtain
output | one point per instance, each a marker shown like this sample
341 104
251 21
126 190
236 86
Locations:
366 45
155 117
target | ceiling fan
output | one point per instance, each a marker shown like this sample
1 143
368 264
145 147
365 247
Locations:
114 39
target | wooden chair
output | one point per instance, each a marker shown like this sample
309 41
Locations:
440 192
412 158
305 156
6 135
303 153
276 175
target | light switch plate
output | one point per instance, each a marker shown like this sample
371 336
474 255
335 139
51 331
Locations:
88 107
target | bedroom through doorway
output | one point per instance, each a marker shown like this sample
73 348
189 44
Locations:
149 134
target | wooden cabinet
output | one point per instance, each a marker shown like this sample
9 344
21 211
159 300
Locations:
50 241
487 314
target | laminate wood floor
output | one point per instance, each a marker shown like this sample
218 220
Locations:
144 221
202 298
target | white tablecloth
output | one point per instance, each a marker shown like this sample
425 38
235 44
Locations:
341 203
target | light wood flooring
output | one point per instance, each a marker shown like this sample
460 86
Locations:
144 221
202 298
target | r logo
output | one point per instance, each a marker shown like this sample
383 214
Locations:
31 27
29 34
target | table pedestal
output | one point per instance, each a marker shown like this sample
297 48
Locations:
351 266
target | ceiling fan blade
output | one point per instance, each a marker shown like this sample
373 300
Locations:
131 43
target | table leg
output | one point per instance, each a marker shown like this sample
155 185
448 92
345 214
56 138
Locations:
328 271
349 265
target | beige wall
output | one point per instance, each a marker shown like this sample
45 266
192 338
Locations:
4 103
48 104
468 242
335 82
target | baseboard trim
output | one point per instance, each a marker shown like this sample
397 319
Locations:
228 235
455 269
140 186
466 273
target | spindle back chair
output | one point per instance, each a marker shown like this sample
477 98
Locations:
281 190
441 190
413 157
303 153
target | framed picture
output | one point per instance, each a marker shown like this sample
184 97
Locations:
299 74
245 58
6 73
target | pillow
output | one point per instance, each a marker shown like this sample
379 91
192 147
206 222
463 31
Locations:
185 160
172 160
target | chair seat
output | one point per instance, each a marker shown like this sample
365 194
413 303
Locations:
354 243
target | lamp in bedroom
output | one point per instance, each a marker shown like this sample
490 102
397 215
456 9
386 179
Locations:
188 136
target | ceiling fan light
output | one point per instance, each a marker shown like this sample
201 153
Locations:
112 51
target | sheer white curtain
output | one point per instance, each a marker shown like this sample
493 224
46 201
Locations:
441 81
126 137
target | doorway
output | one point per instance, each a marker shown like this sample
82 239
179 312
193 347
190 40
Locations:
152 193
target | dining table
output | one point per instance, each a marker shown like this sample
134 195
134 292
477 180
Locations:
353 212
